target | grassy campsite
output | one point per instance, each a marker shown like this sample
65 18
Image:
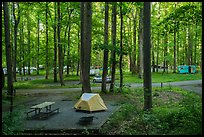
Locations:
101 68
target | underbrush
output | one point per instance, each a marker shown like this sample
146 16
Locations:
174 112
12 123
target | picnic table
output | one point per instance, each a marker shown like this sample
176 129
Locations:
38 109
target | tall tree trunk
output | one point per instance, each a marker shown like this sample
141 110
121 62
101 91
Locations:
47 59
113 54
157 52
87 46
195 47
165 44
183 47
190 45
147 57
68 48
134 68
141 44
121 49
23 49
174 70
55 43
28 27
82 43
158 42
130 44
178 45
59 46
78 51
153 60
20 48
16 22
8 55
38 48
105 53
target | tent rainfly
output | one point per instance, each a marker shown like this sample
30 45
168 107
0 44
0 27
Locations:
90 102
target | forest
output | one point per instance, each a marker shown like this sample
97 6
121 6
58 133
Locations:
62 39
175 35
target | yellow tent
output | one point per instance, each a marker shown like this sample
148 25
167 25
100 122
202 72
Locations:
90 102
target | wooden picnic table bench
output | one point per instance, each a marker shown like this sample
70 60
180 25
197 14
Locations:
37 109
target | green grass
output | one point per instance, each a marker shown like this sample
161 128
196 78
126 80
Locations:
175 112
128 78
159 77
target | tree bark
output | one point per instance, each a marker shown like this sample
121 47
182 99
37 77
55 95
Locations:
8 55
134 67
82 43
87 46
59 46
113 54
47 58
38 49
28 27
55 43
16 22
105 57
189 53
147 57
121 49
174 69
141 44
68 48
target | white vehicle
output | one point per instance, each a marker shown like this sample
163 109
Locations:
98 79
94 72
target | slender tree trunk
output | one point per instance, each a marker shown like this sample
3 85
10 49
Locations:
55 43
153 60
189 54
113 54
158 43
8 55
28 26
87 46
38 49
16 22
78 59
23 49
68 48
121 49
20 46
105 57
195 47
157 56
147 57
59 47
130 44
174 70
178 45
82 44
141 44
47 58
134 68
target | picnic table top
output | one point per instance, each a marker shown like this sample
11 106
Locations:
42 105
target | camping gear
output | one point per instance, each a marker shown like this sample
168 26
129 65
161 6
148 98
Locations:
90 102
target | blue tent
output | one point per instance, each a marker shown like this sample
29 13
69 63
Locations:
186 69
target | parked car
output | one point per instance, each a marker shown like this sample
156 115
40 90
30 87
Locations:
94 72
98 79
